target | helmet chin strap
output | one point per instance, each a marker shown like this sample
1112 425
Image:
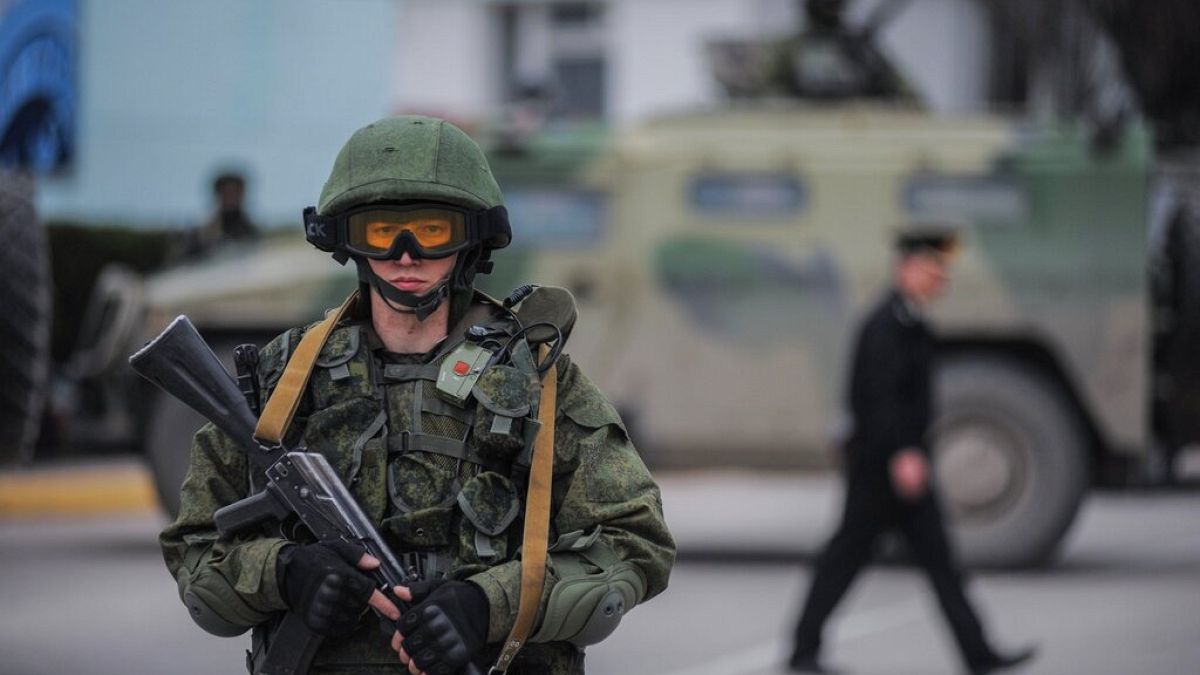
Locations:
422 306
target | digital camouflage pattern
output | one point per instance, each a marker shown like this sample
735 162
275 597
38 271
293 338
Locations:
410 157
378 420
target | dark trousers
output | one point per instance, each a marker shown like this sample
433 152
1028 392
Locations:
870 509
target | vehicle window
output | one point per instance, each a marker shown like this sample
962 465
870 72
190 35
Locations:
556 217
755 195
974 199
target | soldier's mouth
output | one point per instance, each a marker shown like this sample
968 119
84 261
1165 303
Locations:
407 283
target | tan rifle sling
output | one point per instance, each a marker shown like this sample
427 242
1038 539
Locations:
281 407
537 523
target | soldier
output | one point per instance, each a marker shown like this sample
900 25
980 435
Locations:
229 220
887 459
443 473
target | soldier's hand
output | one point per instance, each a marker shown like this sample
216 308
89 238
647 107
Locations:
444 629
909 471
322 583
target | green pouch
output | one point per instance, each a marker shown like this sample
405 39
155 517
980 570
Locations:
489 502
340 371
505 395
272 358
339 431
418 480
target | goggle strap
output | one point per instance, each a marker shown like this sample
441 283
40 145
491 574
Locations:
321 231
484 264
495 226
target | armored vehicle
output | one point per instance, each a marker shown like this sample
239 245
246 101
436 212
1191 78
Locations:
720 260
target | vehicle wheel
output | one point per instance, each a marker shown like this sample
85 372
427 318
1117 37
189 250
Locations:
171 425
25 321
1009 456
169 431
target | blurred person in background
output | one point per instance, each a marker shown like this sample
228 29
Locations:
229 221
423 398
889 478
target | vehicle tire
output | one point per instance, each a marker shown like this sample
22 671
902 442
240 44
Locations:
170 426
1010 460
25 321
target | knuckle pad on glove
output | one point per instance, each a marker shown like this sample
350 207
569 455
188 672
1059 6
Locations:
319 584
415 642
409 621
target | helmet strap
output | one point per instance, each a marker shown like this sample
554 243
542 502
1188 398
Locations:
422 306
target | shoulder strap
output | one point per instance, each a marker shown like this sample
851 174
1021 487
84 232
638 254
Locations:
281 407
537 523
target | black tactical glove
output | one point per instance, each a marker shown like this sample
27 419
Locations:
322 584
446 626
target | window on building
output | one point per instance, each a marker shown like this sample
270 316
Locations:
553 57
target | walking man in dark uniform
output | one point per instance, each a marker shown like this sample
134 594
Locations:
887 456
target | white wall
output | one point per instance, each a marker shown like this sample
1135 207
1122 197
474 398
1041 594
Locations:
656 52
172 91
446 57
943 48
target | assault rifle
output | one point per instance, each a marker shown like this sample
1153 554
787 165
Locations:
181 363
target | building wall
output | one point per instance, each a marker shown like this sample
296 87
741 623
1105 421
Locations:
445 57
657 52
943 48
172 92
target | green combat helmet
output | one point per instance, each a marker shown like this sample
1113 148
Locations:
411 184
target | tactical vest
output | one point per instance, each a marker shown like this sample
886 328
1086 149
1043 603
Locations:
435 448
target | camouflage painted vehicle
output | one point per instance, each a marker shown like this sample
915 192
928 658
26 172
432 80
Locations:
720 261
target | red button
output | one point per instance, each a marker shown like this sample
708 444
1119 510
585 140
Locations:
462 368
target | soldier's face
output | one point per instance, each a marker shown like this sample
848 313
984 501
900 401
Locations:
413 275
923 276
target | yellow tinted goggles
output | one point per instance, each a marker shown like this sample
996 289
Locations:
423 232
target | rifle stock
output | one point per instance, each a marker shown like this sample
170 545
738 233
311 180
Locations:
182 364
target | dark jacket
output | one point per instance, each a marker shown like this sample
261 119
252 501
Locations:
890 394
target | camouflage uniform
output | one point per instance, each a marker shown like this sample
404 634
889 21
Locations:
360 411
445 484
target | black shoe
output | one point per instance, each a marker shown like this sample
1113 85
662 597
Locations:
803 662
1003 661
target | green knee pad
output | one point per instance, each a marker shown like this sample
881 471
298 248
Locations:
200 607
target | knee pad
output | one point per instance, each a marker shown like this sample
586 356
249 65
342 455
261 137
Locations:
208 618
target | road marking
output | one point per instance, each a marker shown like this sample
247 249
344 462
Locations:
775 652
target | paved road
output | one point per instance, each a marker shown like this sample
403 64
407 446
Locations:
92 596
